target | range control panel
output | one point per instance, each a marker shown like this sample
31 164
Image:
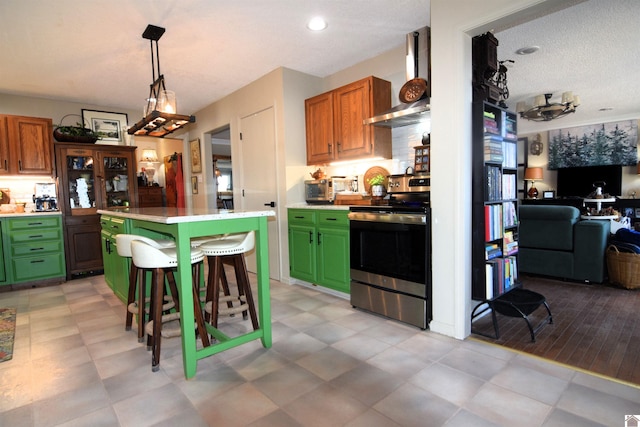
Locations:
409 184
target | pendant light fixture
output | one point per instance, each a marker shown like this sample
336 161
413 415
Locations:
160 113
544 111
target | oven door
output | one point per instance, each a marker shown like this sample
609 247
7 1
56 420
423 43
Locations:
391 245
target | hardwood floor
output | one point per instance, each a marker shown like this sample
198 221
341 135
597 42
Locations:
595 327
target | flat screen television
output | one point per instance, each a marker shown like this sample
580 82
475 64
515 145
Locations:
578 182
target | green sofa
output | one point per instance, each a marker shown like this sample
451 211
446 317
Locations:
554 241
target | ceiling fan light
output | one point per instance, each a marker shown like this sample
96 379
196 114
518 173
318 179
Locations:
567 97
539 101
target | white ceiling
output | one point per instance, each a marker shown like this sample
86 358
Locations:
93 52
591 48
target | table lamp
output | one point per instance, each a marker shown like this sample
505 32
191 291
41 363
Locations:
150 156
533 175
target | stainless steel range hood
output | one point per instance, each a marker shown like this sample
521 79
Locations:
418 111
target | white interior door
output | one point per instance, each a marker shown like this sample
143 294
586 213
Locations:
259 189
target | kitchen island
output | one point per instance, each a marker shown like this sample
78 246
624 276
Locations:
183 224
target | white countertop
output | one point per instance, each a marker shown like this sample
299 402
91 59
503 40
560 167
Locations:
21 214
303 205
177 215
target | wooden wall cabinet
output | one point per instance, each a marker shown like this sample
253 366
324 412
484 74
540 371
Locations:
91 177
26 145
334 122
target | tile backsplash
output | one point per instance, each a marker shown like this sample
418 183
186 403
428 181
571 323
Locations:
22 188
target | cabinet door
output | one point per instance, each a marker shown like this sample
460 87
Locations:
333 258
30 145
4 146
319 128
82 244
352 137
116 179
78 176
3 272
302 252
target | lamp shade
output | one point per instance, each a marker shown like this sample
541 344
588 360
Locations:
149 155
533 174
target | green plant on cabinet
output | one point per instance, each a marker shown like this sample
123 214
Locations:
319 247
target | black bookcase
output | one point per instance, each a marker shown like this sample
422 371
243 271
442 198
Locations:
494 202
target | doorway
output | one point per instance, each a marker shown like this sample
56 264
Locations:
222 167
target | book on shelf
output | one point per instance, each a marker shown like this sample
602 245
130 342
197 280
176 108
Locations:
510 215
493 222
510 154
493 183
492 250
501 274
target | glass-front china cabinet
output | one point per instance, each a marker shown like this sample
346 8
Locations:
91 177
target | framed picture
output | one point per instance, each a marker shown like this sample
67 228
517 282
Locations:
112 126
637 212
548 194
196 162
194 184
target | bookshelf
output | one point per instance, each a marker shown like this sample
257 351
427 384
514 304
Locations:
494 202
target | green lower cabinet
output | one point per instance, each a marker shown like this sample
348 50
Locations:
319 247
116 268
34 248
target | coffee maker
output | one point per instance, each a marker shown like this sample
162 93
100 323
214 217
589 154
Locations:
45 197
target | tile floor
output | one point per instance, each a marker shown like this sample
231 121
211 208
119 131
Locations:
330 365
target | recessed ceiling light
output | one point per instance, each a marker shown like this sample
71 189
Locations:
527 50
317 24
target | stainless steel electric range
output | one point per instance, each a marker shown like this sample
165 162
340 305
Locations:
390 253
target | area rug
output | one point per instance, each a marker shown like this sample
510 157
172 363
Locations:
7 332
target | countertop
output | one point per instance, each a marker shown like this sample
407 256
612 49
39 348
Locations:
25 214
176 215
303 205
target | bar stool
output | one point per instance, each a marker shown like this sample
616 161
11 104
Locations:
231 249
161 262
123 245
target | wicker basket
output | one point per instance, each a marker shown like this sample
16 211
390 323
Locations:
624 268
82 134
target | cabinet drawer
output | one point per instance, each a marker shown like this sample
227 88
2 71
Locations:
37 235
301 216
333 218
113 225
36 248
29 223
37 267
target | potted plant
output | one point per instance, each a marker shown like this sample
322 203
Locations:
377 185
77 133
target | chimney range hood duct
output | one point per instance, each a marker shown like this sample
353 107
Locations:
406 114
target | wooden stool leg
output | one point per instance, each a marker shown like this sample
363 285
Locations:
142 296
197 307
157 290
243 282
131 295
215 291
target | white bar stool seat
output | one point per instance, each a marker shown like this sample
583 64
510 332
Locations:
230 248
161 262
123 247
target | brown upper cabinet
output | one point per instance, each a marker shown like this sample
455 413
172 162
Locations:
26 146
334 122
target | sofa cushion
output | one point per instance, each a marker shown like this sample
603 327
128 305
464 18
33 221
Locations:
547 227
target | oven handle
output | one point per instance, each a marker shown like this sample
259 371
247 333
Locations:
387 217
